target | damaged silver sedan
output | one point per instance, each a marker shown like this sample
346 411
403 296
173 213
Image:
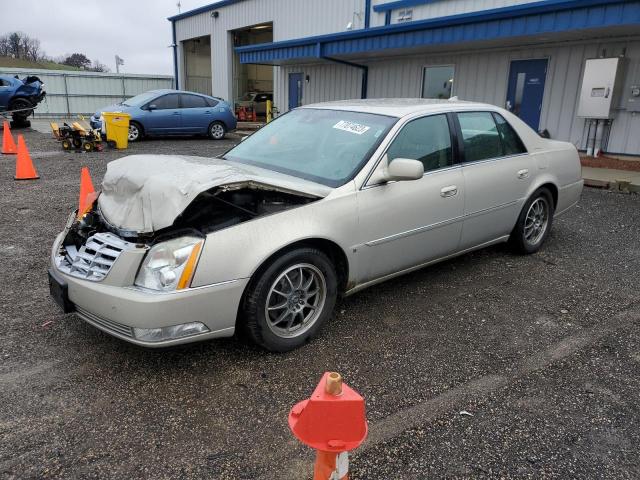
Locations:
324 201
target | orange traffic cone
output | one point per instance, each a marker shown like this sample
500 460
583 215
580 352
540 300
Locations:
24 166
8 145
88 194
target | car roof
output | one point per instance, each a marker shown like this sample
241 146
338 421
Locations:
400 107
162 91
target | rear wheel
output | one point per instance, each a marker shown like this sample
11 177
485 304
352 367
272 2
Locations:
135 132
534 222
66 144
217 131
286 305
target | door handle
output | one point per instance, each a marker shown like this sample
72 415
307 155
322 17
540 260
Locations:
524 173
176 113
449 191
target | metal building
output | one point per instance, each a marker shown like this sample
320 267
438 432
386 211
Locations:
528 56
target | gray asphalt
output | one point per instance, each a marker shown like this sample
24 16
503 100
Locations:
542 351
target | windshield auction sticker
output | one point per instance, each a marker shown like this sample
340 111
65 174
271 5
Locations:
351 127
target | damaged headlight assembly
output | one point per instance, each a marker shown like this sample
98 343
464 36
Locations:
170 265
167 267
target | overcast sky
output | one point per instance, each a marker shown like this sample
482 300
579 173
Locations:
136 30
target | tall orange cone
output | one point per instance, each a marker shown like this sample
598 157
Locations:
24 166
88 194
8 145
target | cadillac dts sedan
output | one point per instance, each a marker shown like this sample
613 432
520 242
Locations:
324 201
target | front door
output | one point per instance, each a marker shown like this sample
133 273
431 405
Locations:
526 90
295 90
408 223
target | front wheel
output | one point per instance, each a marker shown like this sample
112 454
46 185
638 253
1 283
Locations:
217 131
534 222
286 305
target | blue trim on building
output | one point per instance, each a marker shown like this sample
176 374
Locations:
387 7
544 17
387 17
175 55
367 13
203 9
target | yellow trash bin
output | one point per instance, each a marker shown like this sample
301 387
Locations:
117 128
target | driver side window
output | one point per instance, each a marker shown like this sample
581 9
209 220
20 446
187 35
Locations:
426 139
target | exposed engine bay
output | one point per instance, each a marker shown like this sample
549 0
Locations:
212 210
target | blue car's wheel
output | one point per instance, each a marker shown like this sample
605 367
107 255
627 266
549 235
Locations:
217 131
135 132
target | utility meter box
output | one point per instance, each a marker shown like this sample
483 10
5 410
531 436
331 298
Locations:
633 102
600 86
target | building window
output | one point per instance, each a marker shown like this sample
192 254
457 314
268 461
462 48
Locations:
405 15
437 82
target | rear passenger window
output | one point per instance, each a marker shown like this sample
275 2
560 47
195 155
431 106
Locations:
426 139
480 136
510 140
211 102
193 101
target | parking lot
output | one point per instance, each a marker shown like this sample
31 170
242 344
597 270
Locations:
542 352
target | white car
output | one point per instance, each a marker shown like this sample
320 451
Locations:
324 201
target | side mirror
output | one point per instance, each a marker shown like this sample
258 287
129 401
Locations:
152 107
400 169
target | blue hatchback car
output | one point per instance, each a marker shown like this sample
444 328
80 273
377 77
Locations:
173 112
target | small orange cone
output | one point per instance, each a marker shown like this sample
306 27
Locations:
24 166
88 194
8 145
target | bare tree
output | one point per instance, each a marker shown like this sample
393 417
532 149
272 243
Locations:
99 67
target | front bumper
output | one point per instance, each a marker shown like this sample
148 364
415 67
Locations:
117 310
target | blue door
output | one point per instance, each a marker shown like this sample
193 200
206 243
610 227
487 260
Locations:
295 90
526 89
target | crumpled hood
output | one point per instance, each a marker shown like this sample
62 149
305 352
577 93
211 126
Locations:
145 193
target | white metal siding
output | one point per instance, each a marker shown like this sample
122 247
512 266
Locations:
291 19
71 92
326 82
483 76
443 8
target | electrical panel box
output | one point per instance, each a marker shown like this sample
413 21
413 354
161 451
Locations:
600 86
633 102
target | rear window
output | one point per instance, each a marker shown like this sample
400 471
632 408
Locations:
480 136
511 142
193 101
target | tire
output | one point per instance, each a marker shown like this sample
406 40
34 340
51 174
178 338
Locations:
76 142
19 104
135 132
217 131
282 314
87 147
66 144
534 223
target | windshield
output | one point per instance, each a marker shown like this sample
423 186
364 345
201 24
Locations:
324 146
140 99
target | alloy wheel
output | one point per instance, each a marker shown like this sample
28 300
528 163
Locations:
217 131
536 221
295 300
134 133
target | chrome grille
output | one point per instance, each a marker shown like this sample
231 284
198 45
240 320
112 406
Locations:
104 323
94 259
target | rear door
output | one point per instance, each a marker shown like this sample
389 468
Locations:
164 117
196 113
497 173
405 224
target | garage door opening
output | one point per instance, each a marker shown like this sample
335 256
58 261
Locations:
197 64
252 84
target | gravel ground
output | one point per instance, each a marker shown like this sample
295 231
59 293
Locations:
542 351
